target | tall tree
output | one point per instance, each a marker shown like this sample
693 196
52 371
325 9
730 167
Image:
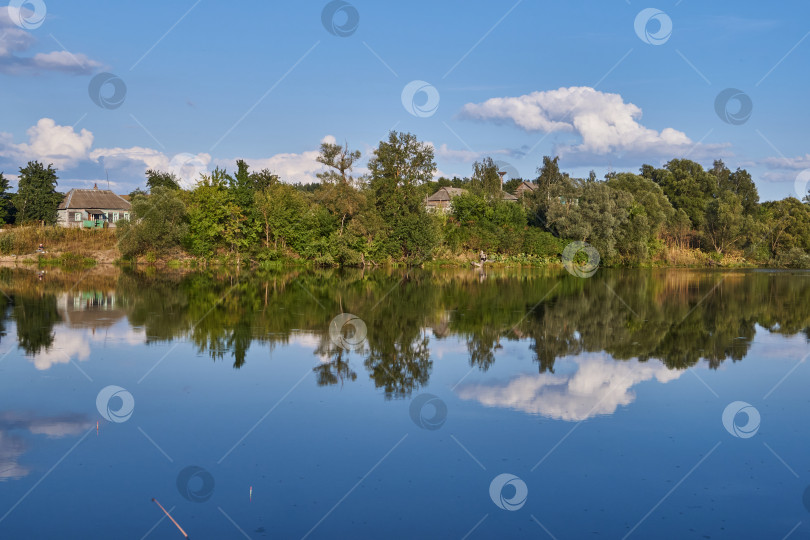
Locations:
739 183
340 161
36 198
485 177
5 201
398 167
549 177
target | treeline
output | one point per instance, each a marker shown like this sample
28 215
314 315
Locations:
680 214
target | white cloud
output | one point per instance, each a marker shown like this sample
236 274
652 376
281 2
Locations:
49 143
65 61
65 148
290 167
136 156
13 446
794 163
599 386
15 40
603 121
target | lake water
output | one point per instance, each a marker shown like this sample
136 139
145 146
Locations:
405 404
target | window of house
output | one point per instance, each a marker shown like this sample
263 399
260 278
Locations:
126 215
78 216
115 217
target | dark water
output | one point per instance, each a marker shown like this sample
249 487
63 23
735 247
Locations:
449 404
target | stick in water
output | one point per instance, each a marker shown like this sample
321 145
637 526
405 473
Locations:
170 517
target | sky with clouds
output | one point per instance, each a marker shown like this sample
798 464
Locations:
112 89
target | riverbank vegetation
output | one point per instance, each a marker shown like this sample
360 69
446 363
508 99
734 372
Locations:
678 215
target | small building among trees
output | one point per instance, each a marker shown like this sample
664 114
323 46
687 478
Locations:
91 208
525 187
442 200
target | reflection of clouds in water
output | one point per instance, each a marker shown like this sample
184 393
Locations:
599 386
11 448
75 343
14 446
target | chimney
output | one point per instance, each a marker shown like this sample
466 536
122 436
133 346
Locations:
501 174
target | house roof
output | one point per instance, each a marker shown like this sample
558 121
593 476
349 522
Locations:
505 195
93 199
446 193
528 185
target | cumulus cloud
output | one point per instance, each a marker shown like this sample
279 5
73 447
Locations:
291 167
15 41
599 386
49 143
603 121
66 147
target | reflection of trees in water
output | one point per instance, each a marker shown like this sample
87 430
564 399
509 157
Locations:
35 317
678 317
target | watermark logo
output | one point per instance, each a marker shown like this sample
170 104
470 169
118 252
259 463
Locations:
508 492
188 168
27 14
347 331
727 113
651 17
108 91
195 484
802 184
428 411
115 404
509 169
572 261
340 18
751 426
420 99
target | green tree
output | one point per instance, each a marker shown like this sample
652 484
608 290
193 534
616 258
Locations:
740 184
600 216
215 220
648 214
158 223
36 198
687 186
5 201
340 161
398 167
724 221
156 178
550 178
283 211
485 178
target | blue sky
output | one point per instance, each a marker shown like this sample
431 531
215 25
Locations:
208 82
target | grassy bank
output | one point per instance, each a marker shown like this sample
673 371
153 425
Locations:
26 239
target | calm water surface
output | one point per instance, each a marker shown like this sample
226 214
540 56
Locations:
449 404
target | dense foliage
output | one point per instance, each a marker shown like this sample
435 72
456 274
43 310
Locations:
680 213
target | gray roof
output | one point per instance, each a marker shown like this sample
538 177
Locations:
93 199
446 193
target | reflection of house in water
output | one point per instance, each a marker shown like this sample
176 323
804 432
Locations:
90 309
